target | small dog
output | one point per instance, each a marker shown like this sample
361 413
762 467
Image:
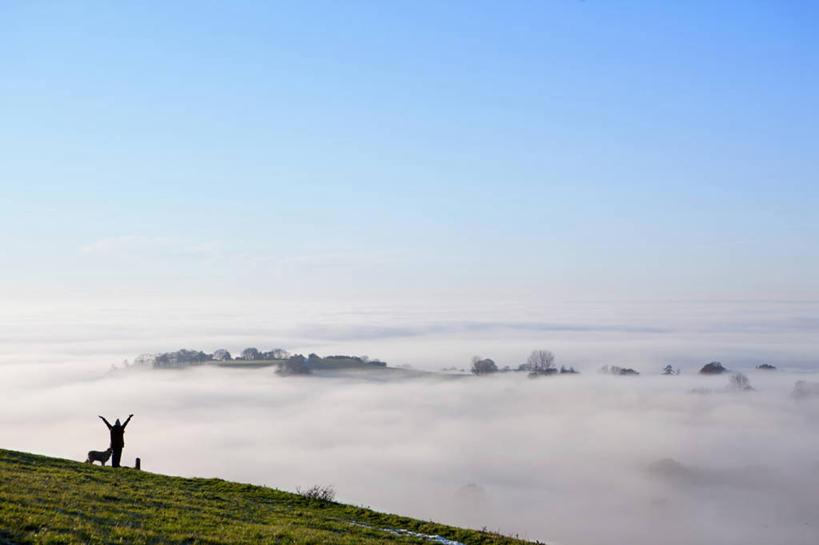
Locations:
98 456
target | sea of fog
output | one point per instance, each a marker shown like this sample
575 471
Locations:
571 460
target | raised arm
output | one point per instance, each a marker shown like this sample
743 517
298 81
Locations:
106 422
126 421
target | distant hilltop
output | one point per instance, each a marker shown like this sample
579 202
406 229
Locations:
252 357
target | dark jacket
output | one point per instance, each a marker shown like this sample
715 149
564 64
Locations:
117 433
117 436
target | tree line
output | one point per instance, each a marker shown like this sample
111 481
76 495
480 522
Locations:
542 362
185 358
539 363
289 364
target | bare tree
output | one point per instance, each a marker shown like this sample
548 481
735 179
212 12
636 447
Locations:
221 355
740 382
250 354
541 362
318 492
280 354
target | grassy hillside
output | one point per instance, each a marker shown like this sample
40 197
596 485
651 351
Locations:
51 501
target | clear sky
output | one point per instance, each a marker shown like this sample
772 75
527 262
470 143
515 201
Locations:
524 150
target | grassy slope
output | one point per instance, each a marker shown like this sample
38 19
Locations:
50 500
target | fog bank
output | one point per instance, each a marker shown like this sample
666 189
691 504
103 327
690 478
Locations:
569 459
572 460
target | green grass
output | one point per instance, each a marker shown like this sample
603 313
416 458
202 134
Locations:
54 501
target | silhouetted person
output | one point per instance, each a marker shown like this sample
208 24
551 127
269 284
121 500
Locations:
117 438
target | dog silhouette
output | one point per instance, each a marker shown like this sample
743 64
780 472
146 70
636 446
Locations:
98 456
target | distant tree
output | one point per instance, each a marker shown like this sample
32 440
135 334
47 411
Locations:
668 370
803 389
294 365
181 358
313 360
483 366
766 367
616 370
570 370
342 357
275 354
145 360
541 362
738 381
221 355
713 368
250 354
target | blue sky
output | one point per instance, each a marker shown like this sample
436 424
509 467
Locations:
525 150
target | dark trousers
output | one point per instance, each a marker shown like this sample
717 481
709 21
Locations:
115 456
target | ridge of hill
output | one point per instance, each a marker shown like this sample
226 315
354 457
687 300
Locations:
55 501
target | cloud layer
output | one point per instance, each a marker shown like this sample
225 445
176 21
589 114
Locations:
572 460
575 460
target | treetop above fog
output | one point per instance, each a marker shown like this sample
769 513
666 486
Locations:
295 362
713 368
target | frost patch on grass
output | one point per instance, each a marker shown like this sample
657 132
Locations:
401 533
